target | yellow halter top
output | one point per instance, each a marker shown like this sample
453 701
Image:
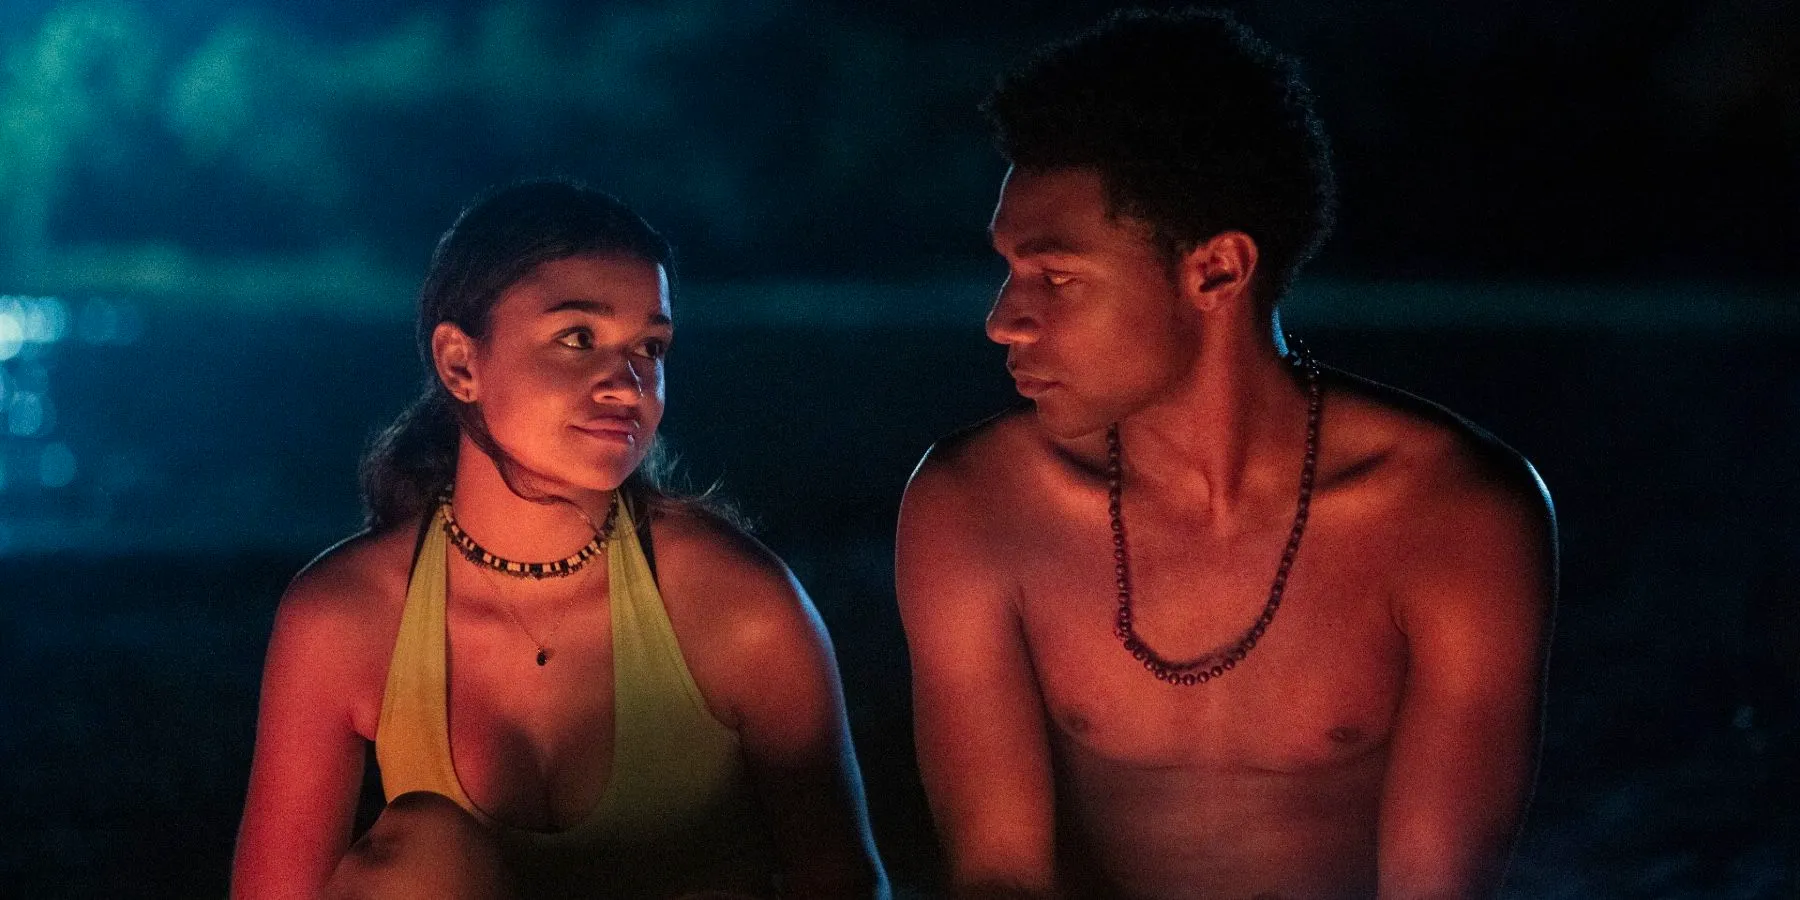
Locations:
677 813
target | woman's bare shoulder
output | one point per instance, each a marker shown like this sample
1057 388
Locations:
710 561
335 627
735 607
354 578
337 621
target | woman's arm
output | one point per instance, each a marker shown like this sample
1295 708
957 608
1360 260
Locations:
307 768
797 741
774 674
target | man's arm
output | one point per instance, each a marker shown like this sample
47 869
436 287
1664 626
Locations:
1475 606
978 716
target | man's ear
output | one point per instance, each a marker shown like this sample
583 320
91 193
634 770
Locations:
453 355
1216 274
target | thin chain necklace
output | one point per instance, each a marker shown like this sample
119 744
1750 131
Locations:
1217 662
561 568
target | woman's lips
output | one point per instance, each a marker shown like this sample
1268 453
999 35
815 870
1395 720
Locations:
610 428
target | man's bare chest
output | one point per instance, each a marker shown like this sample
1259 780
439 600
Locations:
1319 687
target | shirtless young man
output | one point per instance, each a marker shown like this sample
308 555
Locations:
1292 673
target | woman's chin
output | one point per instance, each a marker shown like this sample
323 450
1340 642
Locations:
607 476
597 483
588 472
588 479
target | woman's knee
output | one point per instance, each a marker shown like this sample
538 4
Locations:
423 845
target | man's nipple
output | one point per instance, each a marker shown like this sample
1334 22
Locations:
1074 722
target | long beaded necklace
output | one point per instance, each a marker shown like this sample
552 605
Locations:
569 565
1215 663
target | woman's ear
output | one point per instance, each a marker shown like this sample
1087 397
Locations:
1217 273
453 355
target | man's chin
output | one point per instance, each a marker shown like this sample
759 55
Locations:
1066 424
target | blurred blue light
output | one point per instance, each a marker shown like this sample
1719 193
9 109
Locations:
46 319
28 414
12 331
26 322
56 466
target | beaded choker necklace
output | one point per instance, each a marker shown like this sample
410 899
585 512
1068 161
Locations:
568 565
1217 662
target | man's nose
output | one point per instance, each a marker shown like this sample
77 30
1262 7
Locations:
1011 321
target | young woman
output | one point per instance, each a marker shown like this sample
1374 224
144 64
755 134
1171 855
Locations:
577 685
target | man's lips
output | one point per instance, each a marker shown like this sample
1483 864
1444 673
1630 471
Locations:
1031 385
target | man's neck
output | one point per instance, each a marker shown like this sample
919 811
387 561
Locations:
1230 433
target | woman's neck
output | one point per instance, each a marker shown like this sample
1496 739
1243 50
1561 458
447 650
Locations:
551 527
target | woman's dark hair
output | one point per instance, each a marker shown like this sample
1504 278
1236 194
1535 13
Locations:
497 240
1195 125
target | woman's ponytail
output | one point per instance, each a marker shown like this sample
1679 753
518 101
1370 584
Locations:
411 461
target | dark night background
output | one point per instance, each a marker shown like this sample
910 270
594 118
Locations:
1576 223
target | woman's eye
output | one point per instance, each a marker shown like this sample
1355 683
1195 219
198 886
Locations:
579 339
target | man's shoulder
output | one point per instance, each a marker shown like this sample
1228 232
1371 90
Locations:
1470 522
971 484
1427 453
980 456
1467 507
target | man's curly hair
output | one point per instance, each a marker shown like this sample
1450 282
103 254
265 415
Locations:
1195 125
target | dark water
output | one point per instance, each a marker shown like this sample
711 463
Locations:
214 456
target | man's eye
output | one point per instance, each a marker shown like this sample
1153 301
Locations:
578 339
1057 279
654 349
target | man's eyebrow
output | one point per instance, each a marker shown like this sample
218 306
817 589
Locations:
1041 245
1047 245
601 308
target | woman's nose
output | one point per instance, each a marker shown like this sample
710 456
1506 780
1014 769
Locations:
620 383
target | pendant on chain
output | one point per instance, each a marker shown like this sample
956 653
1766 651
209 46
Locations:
561 568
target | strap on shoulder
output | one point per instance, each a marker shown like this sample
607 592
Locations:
640 518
